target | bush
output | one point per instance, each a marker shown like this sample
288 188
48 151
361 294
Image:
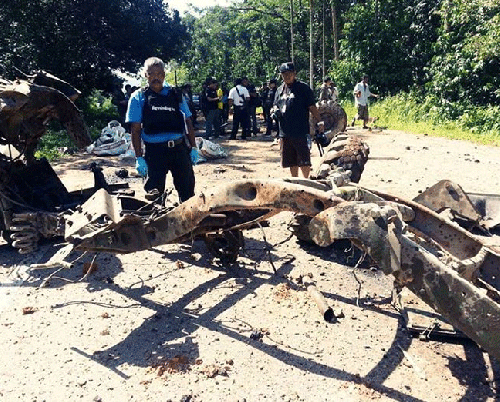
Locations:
410 112
98 111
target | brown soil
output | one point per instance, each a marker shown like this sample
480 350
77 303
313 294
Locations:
172 324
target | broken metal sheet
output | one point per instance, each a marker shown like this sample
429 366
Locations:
25 109
467 250
446 194
448 235
488 206
267 197
379 231
101 208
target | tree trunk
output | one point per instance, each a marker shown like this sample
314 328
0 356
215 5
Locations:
311 55
291 28
335 33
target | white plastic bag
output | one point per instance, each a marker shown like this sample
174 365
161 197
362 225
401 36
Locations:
209 149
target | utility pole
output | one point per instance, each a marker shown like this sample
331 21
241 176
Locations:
335 31
291 26
323 59
311 56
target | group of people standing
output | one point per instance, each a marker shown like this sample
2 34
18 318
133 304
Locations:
161 118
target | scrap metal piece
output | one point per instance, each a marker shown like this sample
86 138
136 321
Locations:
448 195
25 110
488 205
226 245
334 117
345 151
319 299
263 197
379 231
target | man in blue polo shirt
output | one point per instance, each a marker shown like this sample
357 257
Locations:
160 117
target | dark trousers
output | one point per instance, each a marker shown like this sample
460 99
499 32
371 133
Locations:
161 160
269 120
242 117
212 125
253 119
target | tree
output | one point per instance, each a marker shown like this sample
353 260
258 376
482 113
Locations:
466 68
228 43
391 40
82 40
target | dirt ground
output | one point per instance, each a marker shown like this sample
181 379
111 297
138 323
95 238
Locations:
171 324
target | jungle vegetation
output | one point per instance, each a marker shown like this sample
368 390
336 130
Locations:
437 61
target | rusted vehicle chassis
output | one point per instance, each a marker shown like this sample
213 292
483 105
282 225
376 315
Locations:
446 266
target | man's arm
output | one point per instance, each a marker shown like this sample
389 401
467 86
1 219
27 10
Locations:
136 129
213 99
317 118
190 132
357 90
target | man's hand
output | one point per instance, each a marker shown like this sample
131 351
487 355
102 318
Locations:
141 166
195 155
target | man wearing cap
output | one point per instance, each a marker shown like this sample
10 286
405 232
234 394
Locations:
361 95
159 116
294 100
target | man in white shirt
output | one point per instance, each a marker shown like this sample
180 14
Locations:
361 95
239 98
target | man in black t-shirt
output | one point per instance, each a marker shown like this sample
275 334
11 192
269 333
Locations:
294 100
212 124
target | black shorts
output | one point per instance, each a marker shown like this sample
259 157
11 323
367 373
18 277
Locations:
295 152
362 112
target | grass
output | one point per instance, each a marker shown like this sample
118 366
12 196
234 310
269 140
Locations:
391 118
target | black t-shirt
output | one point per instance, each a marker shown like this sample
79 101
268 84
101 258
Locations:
211 93
293 103
270 95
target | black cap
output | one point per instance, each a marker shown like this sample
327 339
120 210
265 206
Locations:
287 67
273 81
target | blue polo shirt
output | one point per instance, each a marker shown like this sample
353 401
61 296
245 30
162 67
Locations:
134 115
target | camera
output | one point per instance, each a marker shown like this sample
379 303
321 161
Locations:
275 113
321 139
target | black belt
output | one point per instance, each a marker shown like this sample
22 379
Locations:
172 143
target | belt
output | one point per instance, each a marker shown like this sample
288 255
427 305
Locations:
173 143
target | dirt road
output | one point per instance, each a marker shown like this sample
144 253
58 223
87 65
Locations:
170 324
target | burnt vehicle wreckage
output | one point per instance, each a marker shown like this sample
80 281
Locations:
452 270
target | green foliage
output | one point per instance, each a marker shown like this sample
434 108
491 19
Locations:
229 43
345 73
98 110
391 40
441 57
409 112
80 41
51 143
466 68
